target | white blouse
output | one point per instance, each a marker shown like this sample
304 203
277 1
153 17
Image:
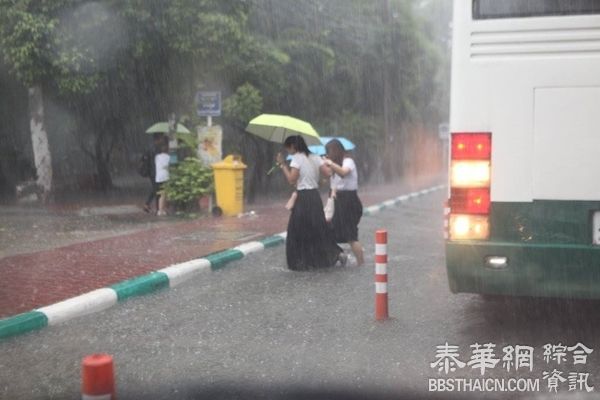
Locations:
309 170
348 182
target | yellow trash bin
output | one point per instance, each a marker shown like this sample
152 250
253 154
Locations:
229 184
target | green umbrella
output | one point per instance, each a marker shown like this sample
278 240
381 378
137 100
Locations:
163 127
276 128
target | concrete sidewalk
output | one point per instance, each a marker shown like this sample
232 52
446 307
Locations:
36 279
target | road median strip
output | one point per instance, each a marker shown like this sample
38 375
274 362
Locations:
104 298
222 258
141 285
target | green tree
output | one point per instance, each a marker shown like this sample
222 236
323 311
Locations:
245 104
366 70
56 46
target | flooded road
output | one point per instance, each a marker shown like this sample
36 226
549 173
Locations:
256 329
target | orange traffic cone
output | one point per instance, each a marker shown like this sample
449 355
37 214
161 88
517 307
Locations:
97 378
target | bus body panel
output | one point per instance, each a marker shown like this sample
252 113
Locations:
534 83
534 270
497 67
566 156
547 244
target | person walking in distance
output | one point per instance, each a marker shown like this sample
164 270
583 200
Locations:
348 207
162 175
309 243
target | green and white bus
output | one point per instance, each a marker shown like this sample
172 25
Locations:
523 215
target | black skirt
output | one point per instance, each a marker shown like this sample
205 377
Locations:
309 242
347 215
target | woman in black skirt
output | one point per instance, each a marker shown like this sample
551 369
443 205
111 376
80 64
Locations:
348 207
309 243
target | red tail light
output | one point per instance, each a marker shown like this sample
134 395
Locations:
470 201
470 173
471 146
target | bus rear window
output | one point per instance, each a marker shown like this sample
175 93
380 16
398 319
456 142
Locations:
489 9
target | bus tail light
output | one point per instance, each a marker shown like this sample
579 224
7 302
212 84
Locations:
464 174
471 146
469 227
470 174
470 201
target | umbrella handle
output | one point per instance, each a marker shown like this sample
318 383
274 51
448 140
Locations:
272 169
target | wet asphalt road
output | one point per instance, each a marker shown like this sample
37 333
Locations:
257 330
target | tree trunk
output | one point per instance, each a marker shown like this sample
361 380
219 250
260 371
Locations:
39 140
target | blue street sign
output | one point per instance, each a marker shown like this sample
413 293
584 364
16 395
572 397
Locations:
208 104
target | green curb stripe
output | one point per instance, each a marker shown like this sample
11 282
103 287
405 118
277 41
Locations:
22 323
272 241
218 260
154 281
141 285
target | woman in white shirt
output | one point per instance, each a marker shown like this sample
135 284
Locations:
309 243
348 207
161 161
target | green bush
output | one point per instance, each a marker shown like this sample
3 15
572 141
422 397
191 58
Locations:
188 181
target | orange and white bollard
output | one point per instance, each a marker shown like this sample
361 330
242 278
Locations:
381 278
97 378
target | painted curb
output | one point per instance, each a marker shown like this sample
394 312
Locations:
91 302
179 273
22 323
140 285
104 298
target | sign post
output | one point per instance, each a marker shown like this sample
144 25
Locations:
208 105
